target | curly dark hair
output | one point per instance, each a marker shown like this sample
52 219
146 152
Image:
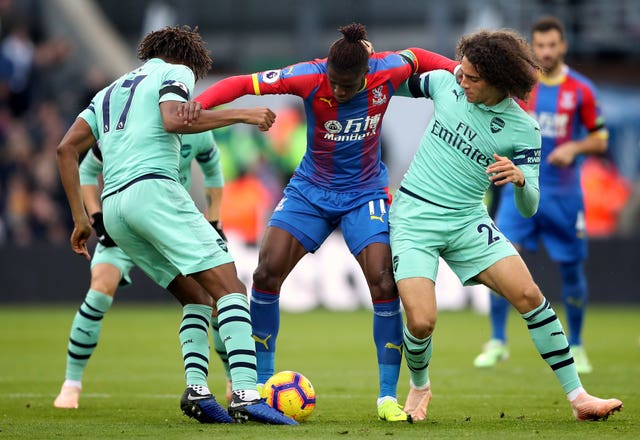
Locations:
503 58
179 44
348 54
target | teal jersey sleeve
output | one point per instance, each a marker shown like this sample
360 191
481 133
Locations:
526 156
527 197
90 168
417 85
89 116
178 84
202 148
209 161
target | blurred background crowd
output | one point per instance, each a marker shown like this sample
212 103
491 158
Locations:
55 54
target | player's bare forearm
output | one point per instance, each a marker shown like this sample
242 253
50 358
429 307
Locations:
565 154
174 121
91 198
214 200
78 139
68 166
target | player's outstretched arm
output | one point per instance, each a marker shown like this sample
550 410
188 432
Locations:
226 90
426 61
174 121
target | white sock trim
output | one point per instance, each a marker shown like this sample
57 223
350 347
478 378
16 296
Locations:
426 386
72 383
383 399
571 395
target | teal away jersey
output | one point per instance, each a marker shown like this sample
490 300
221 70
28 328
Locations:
125 118
459 143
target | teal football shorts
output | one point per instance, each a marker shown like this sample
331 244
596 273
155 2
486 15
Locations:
158 225
465 238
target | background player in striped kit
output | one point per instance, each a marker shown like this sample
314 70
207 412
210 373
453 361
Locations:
110 266
340 182
153 219
565 105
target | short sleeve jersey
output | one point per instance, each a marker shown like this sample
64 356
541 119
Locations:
450 165
125 118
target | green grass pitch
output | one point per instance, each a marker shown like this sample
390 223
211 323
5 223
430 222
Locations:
134 380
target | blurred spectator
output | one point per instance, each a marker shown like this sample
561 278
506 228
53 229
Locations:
18 49
246 206
605 194
31 198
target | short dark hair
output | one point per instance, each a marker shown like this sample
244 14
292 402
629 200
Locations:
503 58
180 44
548 23
348 54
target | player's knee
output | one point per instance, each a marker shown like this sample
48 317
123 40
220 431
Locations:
105 278
572 273
421 326
529 297
106 285
383 287
265 278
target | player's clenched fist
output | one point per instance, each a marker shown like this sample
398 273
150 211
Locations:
263 117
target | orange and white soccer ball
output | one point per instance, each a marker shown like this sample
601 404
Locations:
290 393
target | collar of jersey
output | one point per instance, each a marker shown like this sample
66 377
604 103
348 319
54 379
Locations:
364 86
556 80
498 108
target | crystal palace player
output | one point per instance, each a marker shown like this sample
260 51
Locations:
341 182
564 104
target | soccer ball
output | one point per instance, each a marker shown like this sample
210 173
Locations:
290 393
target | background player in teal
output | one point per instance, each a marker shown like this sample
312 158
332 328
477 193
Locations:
151 216
564 104
110 266
340 182
478 135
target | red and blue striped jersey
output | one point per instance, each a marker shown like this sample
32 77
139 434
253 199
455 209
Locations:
566 109
343 139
